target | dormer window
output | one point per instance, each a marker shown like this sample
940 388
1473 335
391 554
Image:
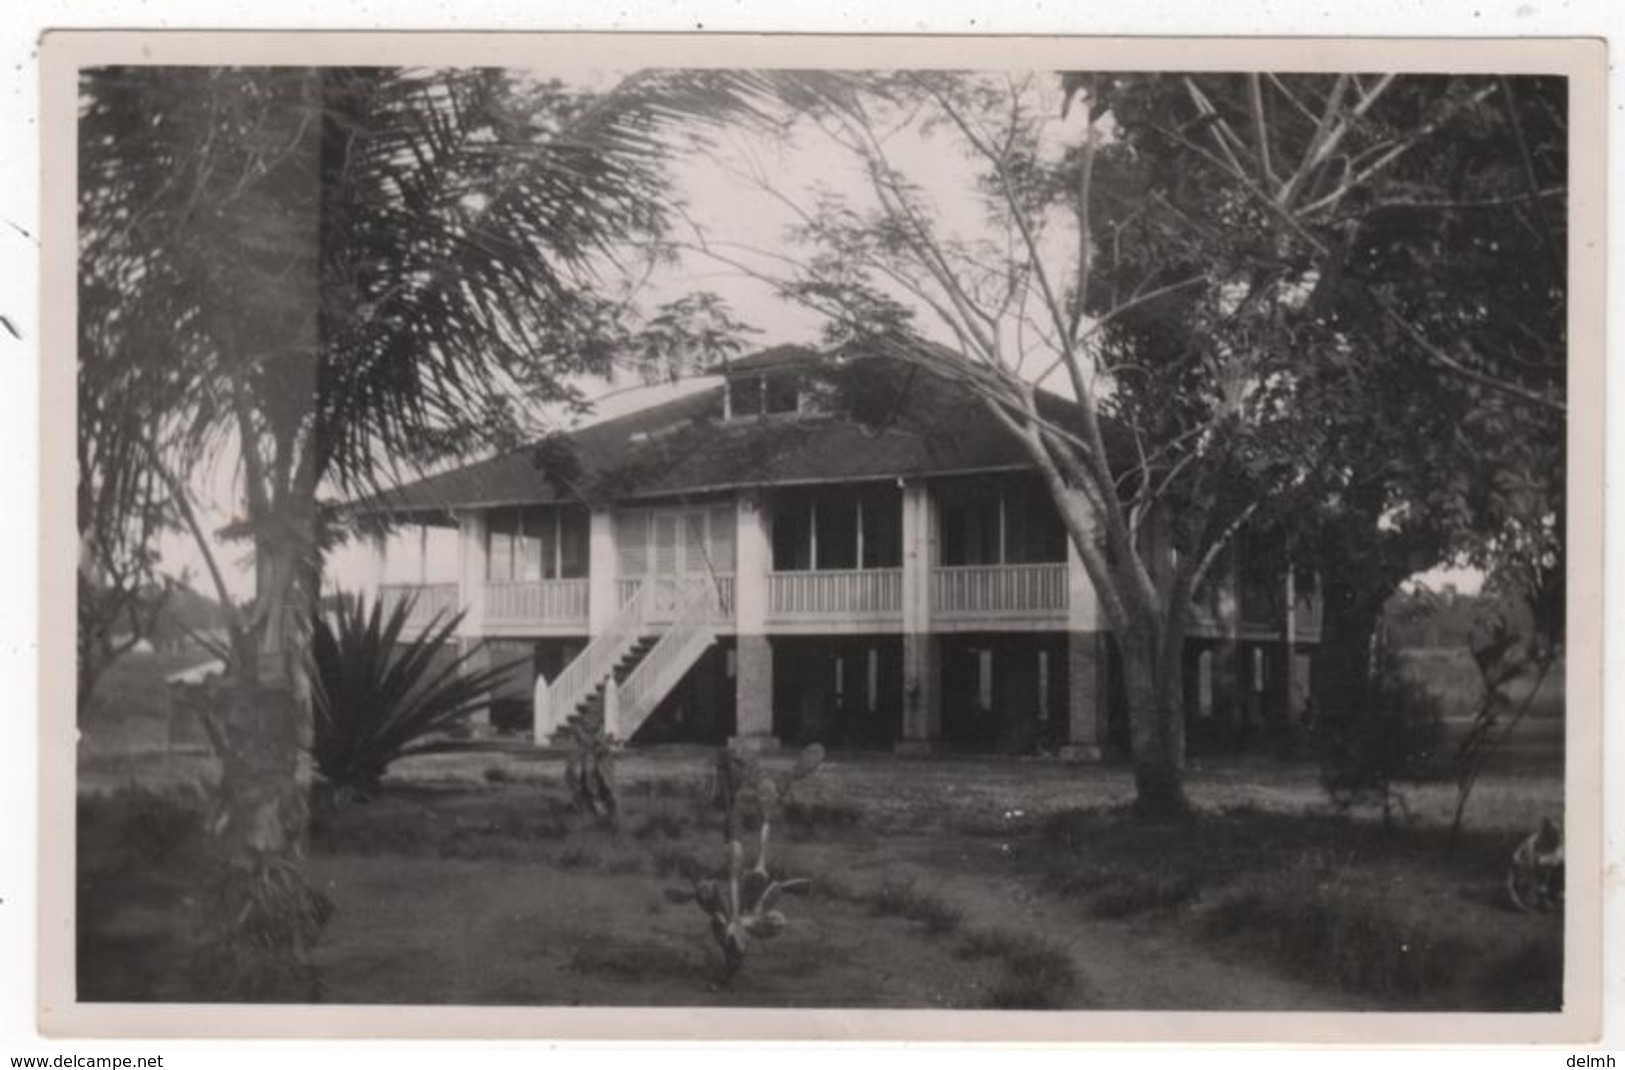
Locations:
772 394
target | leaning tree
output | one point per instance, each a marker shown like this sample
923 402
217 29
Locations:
1179 254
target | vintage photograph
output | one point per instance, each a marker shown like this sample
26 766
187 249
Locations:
952 538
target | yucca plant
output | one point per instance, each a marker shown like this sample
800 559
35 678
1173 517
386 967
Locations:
378 698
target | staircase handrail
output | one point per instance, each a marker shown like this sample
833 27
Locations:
693 627
597 660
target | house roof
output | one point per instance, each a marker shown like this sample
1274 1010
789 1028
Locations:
765 359
897 421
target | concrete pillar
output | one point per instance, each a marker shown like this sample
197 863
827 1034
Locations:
602 603
471 551
753 677
378 562
922 663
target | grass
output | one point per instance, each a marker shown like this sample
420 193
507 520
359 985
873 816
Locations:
821 819
1034 974
903 899
1312 922
661 823
1267 876
1325 897
621 959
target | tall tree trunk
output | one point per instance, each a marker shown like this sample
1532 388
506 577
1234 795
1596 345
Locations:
1153 680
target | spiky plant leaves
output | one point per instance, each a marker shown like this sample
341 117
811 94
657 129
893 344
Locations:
378 697
764 926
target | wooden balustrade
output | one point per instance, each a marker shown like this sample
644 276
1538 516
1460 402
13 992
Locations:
536 602
837 595
428 600
998 590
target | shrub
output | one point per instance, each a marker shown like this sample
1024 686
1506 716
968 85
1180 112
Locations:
903 899
378 698
1385 734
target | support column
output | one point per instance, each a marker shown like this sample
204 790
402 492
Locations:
753 676
1086 692
471 573
922 662
378 573
471 550
602 603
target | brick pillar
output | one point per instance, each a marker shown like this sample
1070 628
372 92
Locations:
753 677
1086 692
922 662
1085 696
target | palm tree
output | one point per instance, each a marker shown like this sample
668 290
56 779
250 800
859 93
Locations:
323 274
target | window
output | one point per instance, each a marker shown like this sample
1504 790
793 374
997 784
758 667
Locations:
574 525
792 536
1033 532
882 528
632 542
1012 521
781 394
984 679
838 529
872 679
970 520
1043 685
776 394
744 397
835 523
538 543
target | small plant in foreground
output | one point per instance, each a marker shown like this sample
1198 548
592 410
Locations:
589 771
741 906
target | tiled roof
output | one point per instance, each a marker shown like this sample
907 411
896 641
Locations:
908 423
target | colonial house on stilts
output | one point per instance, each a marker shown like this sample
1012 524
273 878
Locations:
817 548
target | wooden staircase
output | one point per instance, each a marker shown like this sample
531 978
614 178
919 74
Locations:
592 706
622 675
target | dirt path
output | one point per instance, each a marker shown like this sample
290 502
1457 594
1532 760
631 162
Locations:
1136 965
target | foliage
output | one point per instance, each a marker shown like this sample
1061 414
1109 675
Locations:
1501 656
589 769
742 904
688 336
1385 735
262 919
379 697
1281 290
